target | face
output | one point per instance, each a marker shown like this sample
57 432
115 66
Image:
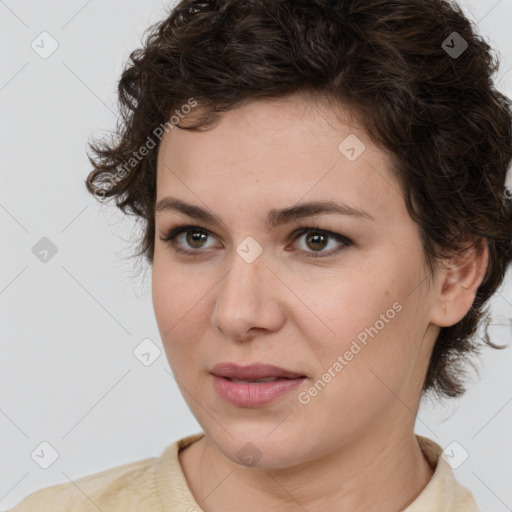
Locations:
339 298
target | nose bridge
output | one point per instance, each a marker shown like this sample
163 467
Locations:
246 297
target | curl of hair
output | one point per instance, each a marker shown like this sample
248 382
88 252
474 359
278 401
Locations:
440 118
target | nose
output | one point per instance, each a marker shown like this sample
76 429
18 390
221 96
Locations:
248 301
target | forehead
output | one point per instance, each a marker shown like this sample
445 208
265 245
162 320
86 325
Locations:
281 152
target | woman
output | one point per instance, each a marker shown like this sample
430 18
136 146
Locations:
322 190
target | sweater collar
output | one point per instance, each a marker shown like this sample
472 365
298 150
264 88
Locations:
443 493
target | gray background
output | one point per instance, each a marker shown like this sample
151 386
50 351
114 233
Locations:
68 375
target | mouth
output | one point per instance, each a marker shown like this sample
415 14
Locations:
256 372
255 385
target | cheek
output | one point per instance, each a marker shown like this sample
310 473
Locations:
170 288
170 299
180 312
347 311
164 296
363 369
380 359
367 329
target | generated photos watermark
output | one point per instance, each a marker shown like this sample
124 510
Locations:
304 397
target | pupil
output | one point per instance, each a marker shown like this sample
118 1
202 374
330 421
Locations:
191 238
316 237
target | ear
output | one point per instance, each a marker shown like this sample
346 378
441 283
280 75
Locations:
457 284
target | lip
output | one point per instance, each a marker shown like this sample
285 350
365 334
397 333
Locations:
253 394
253 371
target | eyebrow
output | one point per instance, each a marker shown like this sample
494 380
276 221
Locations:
275 217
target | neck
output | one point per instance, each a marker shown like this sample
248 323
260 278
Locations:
377 471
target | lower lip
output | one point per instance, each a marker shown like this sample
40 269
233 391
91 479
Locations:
253 394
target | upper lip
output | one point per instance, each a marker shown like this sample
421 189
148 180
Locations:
252 372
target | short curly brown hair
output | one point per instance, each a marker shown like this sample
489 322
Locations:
415 72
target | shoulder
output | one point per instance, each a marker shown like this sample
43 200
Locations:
124 488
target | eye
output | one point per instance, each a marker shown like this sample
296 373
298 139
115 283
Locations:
317 240
195 236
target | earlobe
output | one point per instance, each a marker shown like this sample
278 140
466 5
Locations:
458 284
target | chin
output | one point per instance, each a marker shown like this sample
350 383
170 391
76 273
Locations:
256 446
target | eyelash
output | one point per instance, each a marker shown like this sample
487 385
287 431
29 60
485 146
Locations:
175 231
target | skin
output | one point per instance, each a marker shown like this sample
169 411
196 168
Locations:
299 312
